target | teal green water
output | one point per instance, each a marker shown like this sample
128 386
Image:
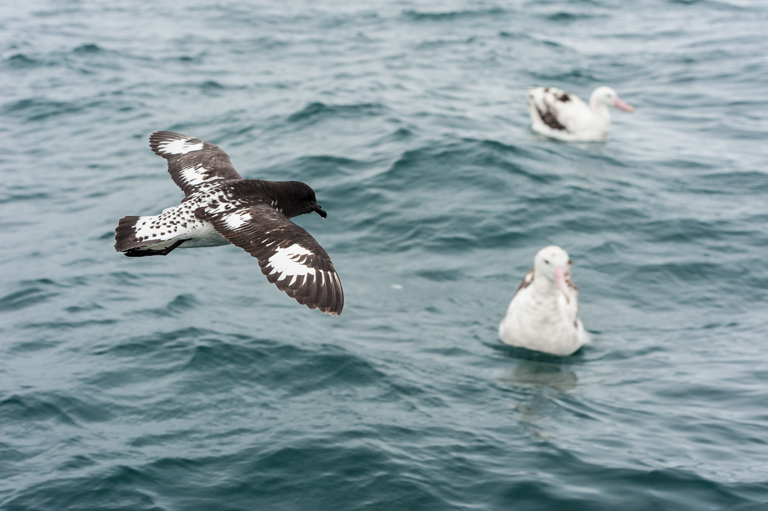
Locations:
188 382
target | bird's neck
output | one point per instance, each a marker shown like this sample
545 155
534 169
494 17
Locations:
545 287
600 109
283 196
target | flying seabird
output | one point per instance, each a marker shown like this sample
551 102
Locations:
220 207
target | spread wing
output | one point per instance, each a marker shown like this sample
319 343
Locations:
288 255
191 161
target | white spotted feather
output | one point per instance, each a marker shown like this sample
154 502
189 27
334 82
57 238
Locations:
221 207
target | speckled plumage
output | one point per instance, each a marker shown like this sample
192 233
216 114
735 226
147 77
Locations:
220 207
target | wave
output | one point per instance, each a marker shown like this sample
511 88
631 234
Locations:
415 15
39 410
317 111
88 49
364 471
21 61
179 305
27 297
567 17
39 109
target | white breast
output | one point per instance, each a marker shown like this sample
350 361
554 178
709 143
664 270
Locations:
543 322
203 235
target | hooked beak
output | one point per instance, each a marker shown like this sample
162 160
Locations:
561 283
621 105
317 208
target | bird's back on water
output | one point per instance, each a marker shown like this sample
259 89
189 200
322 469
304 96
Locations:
563 116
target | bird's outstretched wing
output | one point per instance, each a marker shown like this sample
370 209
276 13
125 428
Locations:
288 255
192 162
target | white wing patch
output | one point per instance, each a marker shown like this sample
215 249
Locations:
284 262
196 175
178 146
238 219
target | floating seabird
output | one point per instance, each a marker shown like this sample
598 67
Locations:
543 313
220 207
564 116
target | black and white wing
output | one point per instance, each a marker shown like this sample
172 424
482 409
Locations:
191 161
547 101
288 255
558 110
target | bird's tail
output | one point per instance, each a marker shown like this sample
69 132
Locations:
125 235
132 238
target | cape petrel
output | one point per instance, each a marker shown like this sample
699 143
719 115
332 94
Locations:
220 207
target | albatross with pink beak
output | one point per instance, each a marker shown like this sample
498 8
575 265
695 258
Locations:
564 116
543 314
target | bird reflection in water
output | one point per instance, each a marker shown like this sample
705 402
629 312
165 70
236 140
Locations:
539 380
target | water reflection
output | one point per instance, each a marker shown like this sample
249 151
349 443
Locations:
557 377
540 380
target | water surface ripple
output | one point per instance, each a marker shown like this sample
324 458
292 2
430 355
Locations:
189 383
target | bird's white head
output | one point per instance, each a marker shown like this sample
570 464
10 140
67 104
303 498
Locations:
607 97
554 266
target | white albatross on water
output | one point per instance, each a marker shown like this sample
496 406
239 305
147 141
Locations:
564 116
543 314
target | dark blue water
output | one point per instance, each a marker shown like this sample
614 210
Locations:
188 382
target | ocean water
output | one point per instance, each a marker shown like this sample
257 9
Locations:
188 382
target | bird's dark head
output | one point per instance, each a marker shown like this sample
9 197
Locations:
299 199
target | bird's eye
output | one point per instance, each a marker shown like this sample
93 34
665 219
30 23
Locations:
546 261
